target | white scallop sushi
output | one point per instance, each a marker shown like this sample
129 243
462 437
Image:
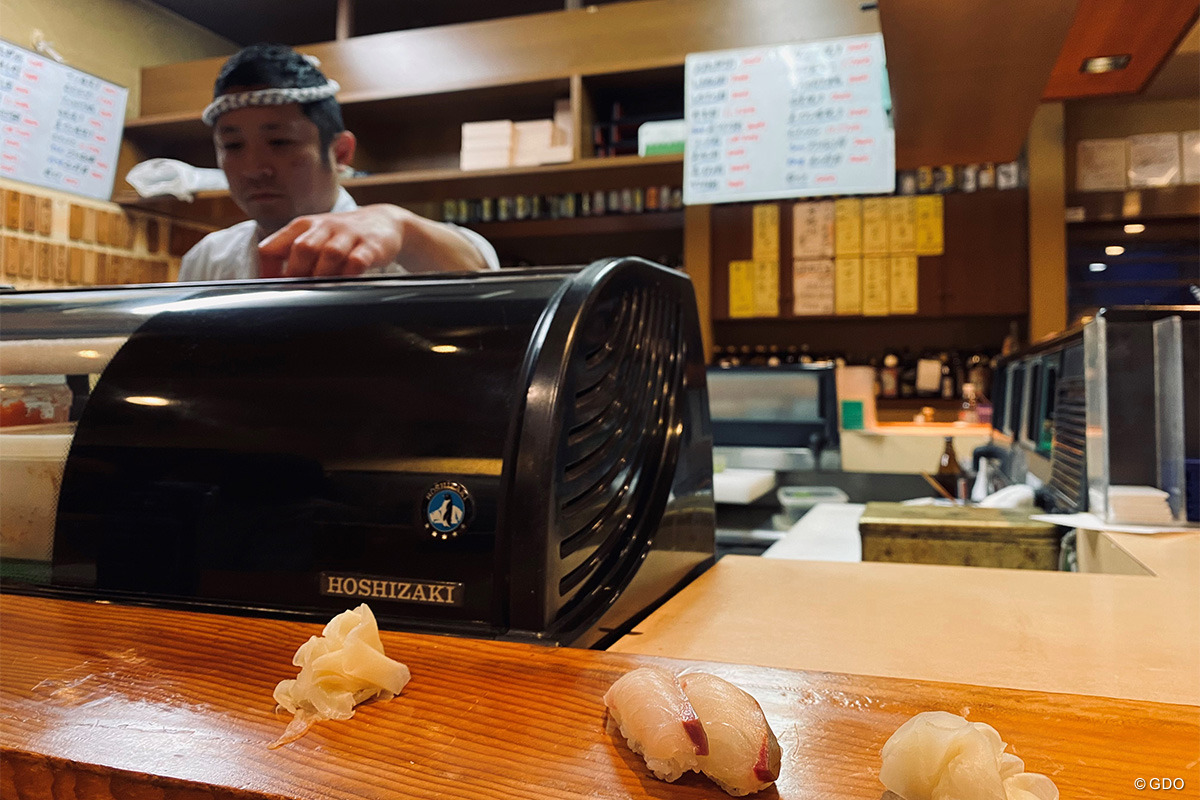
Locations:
1030 786
937 755
743 753
657 720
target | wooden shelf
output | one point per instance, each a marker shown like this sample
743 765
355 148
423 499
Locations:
209 208
573 176
942 403
217 208
582 226
1163 202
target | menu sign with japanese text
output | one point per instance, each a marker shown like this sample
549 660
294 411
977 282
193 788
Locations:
794 120
59 128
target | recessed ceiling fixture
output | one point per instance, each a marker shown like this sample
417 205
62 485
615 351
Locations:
1097 266
1135 227
1105 63
1114 250
148 401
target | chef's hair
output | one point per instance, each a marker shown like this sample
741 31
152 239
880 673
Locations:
277 66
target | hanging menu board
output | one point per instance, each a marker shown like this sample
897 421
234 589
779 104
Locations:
59 127
793 120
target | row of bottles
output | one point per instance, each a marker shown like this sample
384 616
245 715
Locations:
900 374
630 200
761 355
944 374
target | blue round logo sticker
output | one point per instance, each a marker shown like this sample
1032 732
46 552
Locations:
447 509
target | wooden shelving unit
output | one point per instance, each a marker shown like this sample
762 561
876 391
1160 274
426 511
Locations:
1162 202
405 94
583 226
435 185
573 176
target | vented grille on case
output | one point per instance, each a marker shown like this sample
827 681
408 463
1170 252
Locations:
1068 465
625 383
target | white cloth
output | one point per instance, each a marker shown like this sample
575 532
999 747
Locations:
232 254
159 176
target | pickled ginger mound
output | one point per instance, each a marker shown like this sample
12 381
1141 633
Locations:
657 721
940 756
743 753
339 669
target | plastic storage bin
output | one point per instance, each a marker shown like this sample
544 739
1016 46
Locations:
33 400
797 500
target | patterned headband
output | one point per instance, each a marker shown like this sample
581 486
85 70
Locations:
267 97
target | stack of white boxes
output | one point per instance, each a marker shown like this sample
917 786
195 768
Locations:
501 143
487 145
533 142
1146 505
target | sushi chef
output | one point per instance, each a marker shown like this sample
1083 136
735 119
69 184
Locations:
280 140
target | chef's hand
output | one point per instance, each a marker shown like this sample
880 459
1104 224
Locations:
370 237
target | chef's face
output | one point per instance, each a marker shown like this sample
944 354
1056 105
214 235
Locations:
273 158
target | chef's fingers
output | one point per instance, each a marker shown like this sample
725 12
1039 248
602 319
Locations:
333 257
363 257
305 250
273 251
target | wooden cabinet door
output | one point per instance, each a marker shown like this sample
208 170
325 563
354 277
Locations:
985 269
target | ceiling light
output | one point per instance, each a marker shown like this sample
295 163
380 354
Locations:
148 401
1097 266
1135 227
444 348
1105 64
1114 250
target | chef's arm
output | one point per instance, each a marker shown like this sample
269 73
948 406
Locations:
368 238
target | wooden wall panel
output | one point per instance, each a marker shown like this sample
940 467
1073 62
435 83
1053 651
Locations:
968 76
987 253
600 39
12 256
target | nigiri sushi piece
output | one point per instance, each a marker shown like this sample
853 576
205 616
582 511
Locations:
941 756
657 720
743 753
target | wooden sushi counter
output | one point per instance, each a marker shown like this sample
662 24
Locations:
106 701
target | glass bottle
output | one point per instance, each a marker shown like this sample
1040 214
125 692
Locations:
1012 342
968 412
949 473
947 385
889 376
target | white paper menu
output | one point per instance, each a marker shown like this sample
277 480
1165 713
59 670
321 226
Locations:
795 120
812 230
1190 147
1154 159
1100 165
59 127
812 286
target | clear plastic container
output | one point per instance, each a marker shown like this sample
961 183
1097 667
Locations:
32 458
797 500
34 400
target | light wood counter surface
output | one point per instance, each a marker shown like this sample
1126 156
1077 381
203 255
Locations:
108 702
1128 636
